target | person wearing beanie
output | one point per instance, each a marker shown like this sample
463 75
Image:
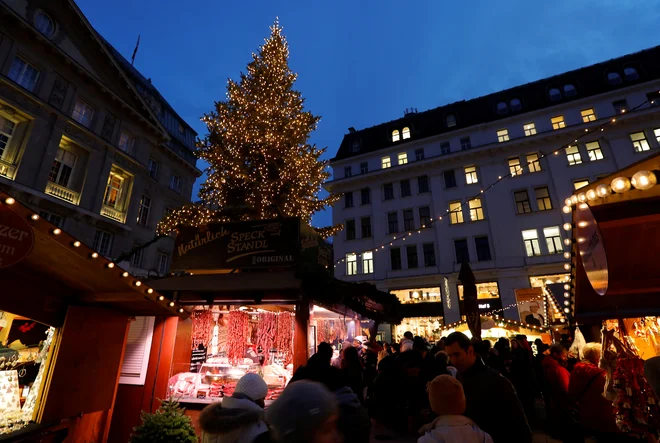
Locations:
305 412
447 400
239 418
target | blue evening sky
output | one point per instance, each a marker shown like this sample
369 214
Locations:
361 63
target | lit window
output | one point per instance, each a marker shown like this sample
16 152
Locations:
639 141
395 135
103 242
620 106
522 202
62 168
162 262
533 162
113 191
348 171
386 162
594 151
44 23
368 262
613 78
553 240
570 91
471 175
573 155
579 184
456 211
24 74
445 148
531 240
419 154
465 143
558 122
143 210
126 143
630 74
6 132
351 264
476 210
153 168
588 115
402 158
175 183
502 108
514 166
656 132
450 120
554 94
364 167
529 128
516 104
543 201
503 135
405 133
83 113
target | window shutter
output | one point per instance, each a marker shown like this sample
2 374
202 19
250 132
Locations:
136 355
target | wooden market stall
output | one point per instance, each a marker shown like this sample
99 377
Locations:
64 316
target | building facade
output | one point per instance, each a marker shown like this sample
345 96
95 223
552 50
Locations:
85 139
454 162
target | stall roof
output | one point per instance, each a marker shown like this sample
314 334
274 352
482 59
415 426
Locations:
68 272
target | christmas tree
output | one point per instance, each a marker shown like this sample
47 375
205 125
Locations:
168 424
260 161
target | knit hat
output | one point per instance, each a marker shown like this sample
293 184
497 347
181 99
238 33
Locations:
253 386
446 395
406 345
299 411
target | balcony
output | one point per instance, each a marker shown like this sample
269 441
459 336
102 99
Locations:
7 170
114 214
63 193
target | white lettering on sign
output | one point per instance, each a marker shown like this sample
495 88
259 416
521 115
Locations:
484 306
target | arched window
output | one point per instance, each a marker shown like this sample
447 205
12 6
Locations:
630 74
395 135
44 23
516 104
613 78
569 90
405 133
450 120
502 108
554 94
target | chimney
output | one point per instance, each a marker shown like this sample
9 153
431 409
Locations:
351 130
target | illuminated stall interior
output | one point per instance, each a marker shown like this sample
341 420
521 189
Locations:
488 297
423 313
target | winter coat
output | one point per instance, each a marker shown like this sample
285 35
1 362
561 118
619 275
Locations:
234 420
453 428
354 422
493 404
555 388
596 412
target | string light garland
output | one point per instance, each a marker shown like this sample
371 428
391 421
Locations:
499 321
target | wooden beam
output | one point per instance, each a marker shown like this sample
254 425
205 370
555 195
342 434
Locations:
109 297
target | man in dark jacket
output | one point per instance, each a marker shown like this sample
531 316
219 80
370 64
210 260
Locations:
491 399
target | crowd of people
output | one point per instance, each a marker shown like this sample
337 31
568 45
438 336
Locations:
458 390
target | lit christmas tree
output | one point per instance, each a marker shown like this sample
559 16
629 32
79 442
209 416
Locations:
261 164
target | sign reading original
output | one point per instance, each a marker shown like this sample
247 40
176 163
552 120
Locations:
16 237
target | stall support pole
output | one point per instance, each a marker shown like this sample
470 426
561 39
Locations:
300 334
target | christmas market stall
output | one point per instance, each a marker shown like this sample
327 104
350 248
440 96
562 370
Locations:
64 316
495 327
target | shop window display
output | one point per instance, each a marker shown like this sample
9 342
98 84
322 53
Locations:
418 295
427 327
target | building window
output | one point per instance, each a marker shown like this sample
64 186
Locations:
543 198
83 113
181 129
482 246
368 262
153 168
503 135
44 23
554 94
620 106
126 143
570 91
395 258
476 210
405 133
60 172
162 262
553 240
450 178
428 250
419 154
573 155
350 229
395 135
461 250
136 258
348 200
392 223
502 108
423 184
445 148
465 143
594 151
522 202
424 216
175 183
613 78
24 74
103 243
386 162
405 188
456 213
402 158
471 175
514 166
356 145
348 171
55 219
365 196
588 115
143 210
558 122
167 211
408 220
388 191
516 104
450 120
364 167
639 141
529 128
630 74
533 162
531 240
579 184
113 191
6 131
365 227
411 257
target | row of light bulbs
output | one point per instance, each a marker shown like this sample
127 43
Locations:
110 265
498 319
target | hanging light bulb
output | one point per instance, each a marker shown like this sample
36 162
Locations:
568 241
567 287
591 195
568 202
566 209
567 310
567 294
568 226
603 190
567 266
567 303
582 197
574 199
620 185
644 180
567 255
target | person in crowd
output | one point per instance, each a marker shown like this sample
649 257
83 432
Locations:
407 338
321 361
409 368
353 371
239 418
522 376
491 399
443 364
566 341
305 412
337 361
555 391
447 400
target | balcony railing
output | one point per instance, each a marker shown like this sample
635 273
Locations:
114 214
63 193
7 169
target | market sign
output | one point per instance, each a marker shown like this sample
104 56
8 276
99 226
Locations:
251 244
16 237
592 250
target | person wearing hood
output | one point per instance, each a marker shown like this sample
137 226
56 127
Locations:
239 418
